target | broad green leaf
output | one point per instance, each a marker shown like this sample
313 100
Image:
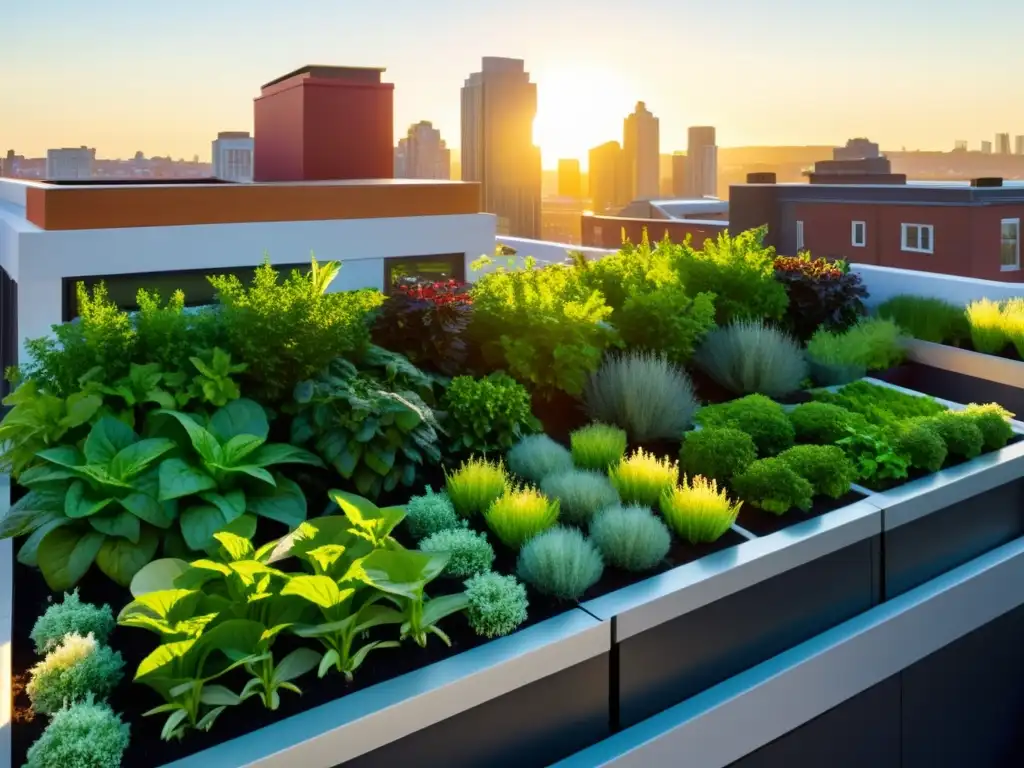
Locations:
303 392
360 656
239 417
45 475
440 607
285 503
218 695
379 460
173 722
244 526
65 555
28 555
206 721
329 660
282 453
252 471
240 446
119 524
232 503
132 460
80 408
199 523
78 503
375 616
63 456
157 576
233 638
319 590
236 547
401 572
107 437
178 479
121 559
31 511
356 508
296 664
171 605
408 420
145 507
203 441
166 660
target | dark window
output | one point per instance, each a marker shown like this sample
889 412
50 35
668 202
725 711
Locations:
8 328
413 270
123 289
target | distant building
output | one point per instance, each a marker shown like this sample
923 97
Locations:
986 147
857 149
679 175
701 163
960 145
499 104
609 180
1003 143
232 156
570 183
423 154
640 147
73 163
1019 145
665 176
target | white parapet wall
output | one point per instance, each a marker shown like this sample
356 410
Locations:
545 251
885 282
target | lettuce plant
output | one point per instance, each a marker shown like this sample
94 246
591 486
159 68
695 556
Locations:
875 455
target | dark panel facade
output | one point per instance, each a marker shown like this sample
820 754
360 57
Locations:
8 328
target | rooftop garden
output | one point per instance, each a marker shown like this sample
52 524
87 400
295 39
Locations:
228 515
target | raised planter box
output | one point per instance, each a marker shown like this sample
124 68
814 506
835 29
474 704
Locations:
855 695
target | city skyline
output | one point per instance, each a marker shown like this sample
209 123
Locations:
188 81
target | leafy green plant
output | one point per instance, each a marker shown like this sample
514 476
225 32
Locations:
822 423
71 616
561 563
875 458
961 434
825 467
431 513
666 321
287 331
774 486
169 334
921 444
994 422
520 514
698 511
485 415
580 494
222 473
821 294
630 537
78 666
469 552
717 453
83 735
542 326
475 485
641 478
644 394
988 330
880 405
536 457
495 604
368 521
597 446
927 319
871 344
759 416
748 356
638 270
371 432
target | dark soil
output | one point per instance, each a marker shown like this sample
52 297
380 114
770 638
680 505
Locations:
762 523
560 414
709 392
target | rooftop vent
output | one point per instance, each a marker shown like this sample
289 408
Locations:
764 177
987 181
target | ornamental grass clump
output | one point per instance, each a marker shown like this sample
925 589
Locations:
698 511
83 735
759 416
496 604
469 552
641 478
520 514
926 318
474 485
561 563
79 666
431 513
750 357
597 446
988 330
717 453
772 485
69 616
644 394
994 422
825 467
535 457
580 494
630 538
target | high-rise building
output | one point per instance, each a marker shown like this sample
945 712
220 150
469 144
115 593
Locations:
664 176
70 163
499 104
986 147
423 154
1019 145
608 178
232 156
960 145
679 175
701 163
1003 143
857 149
569 179
640 147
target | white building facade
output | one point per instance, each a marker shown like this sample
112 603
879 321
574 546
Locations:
70 163
232 156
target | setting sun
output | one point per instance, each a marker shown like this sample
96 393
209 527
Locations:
577 109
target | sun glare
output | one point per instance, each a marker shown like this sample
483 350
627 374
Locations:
577 109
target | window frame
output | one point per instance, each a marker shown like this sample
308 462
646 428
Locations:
905 228
458 261
1015 267
863 231
799 235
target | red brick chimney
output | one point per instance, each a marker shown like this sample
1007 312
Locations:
322 123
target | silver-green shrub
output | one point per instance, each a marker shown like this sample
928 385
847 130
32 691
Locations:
749 356
497 604
580 494
431 513
84 735
69 616
560 562
535 457
469 552
631 538
79 666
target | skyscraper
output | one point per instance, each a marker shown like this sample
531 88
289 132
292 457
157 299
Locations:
640 146
609 185
679 175
569 180
499 104
1019 148
986 147
1003 143
232 156
423 154
701 163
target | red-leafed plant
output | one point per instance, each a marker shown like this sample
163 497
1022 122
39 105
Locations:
822 293
427 323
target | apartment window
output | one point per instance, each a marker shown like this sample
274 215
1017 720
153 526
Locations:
414 270
1010 240
918 238
799 236
859 234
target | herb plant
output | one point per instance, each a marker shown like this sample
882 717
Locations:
641 478
825 467
748 356
561 563
993 421
698 511
496 604
960 433
921 444
83 735
821 294
774 486
875 458
760 417
536 457
988 331
597 446
822 423
487 415
630 538
883 406
717 453
475 485
469 552
520 514
927 319
431 513
580 494
71 616
72 670
666 321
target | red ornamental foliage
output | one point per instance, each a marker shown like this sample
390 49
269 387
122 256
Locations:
441 293
818 269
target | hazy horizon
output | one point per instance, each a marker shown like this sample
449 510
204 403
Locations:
166 79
